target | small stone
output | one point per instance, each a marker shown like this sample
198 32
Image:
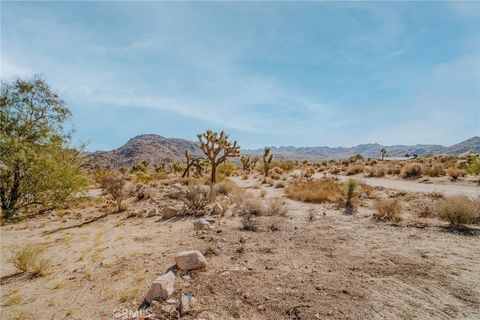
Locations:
168 212
190 260
201 224
162 288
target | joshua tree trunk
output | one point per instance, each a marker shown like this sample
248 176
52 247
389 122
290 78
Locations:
214 173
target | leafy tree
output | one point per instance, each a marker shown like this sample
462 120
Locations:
218 149
36 165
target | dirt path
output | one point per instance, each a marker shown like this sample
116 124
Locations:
411 186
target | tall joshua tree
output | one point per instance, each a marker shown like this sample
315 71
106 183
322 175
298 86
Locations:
267 159
384 153
217 148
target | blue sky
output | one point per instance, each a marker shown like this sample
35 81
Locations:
284 73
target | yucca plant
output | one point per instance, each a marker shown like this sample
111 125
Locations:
350 194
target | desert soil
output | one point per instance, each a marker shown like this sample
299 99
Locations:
433 185
334 267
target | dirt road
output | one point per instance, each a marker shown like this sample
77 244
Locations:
412 186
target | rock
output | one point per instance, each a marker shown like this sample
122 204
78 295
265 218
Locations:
187 303
199 213
201 224
153 212
190 260
162 288
176 194
217 209
168 212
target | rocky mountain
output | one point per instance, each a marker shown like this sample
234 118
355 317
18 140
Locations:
151 147
371 150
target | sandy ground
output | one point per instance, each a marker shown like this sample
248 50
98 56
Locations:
334 267
448 189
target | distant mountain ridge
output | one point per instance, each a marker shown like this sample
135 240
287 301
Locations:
155 149
371 150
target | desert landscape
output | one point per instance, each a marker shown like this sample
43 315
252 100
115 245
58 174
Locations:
239 160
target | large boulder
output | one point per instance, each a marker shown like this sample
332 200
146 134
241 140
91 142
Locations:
162 288
190 260
169 212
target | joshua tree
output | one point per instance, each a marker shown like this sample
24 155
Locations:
350 193
267 159
188 156
246 163
384 153
254 162
217 148
192 162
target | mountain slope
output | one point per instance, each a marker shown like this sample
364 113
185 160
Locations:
151 147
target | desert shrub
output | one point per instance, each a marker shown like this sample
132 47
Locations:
249 223
113 184
354 169
424 210
263 193
276 207
350 193
387 210
411 171
473 166
226 169
252 206
225 187
308 172
139 167
197 198
146 178
458 210
29 259
365 189
394 169
274 224
335 170
284 165
436 170
324 190
375 172
455 173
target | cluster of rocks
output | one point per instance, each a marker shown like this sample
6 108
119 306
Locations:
163 287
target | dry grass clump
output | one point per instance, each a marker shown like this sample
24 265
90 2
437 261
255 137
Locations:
335 170
225 187
317 191
411 171
280 184
274 224
394 169
354 169
276 207
249 223
458 210
29 259
436 170
387 210
252 206
375 172
455 173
